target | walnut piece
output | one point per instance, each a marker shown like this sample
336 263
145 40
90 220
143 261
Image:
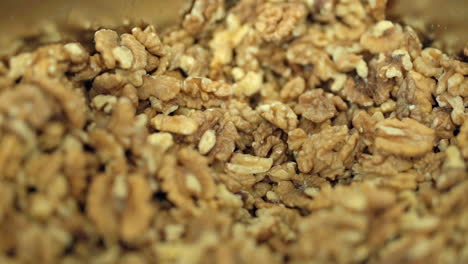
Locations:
106 40
248 164
280 115
164 88
293 88
276 21
315 106
175 124
407 137
384 36
207 141
123 56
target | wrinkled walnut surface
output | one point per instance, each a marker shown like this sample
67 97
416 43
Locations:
265 132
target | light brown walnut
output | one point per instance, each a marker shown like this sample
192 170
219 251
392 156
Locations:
276 21
407 137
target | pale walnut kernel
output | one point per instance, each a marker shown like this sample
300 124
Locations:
384 36
293 89
458 114
296 138
173 183
94 66
291 196
202 15
123 56
271 146
407 138
108 83
106 40
249 85
226 40
280 115
347 61
381 165
388 106
315 106
150 40
140 56
133 77
248 164
225 142
76 52
104 103
428 63
175 124
18 65
457 85
283 172
276 21
162 87
207 141
453 169
327 152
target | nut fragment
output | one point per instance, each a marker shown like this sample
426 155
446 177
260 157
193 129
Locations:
106 40
384 36
140 57
315 106
164 88
292 89
280 115
76 52
207 141
277 20
175 124
123 56
248 164
407 138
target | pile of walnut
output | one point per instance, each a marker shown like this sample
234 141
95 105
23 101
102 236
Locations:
270 132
